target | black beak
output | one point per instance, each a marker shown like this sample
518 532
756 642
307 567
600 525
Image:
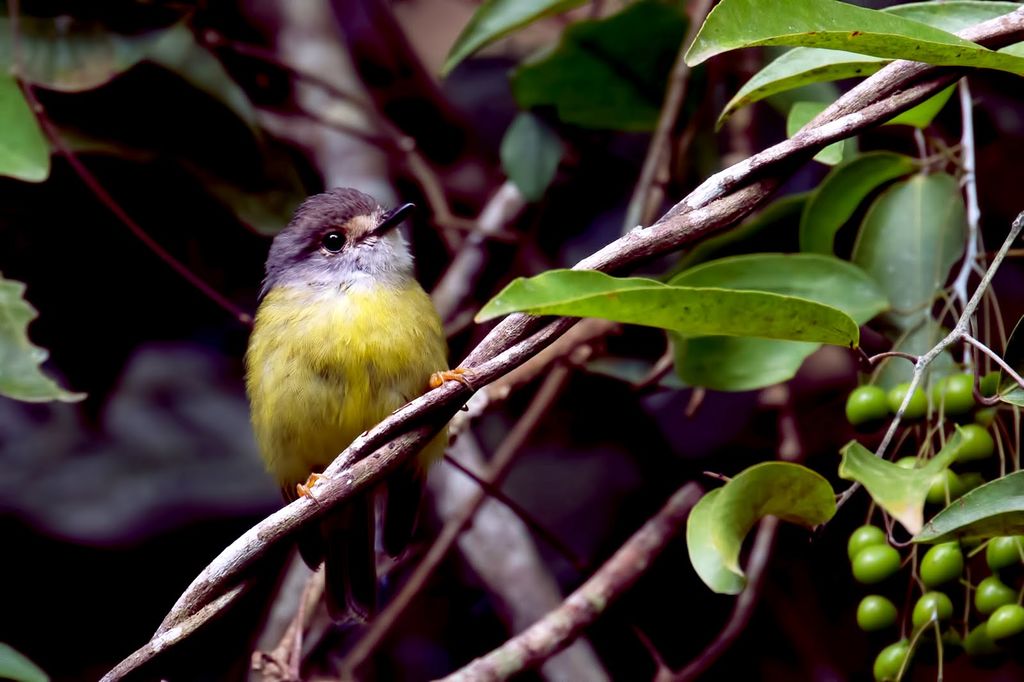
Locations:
394 218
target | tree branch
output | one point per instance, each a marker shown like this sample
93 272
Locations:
560 627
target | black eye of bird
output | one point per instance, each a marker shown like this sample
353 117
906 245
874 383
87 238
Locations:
333 241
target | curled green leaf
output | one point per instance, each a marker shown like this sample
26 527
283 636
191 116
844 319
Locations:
717 526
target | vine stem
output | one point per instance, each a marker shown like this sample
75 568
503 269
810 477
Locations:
970 187
960 333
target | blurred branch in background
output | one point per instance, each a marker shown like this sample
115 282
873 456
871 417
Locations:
561 627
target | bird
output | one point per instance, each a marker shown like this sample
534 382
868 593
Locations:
343 336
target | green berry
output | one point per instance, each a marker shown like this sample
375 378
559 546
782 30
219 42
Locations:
985 416
944 483
866 404
1006 621
978 643
941 564
1004 551
975 443
875 563
931 606
993 593
989 384
955 394
863 537
907 462
970 481
875 612
916 408
890 661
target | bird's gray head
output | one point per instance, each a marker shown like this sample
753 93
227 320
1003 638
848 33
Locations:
340 238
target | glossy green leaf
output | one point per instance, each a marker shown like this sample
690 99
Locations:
789 491
530 152
707 560
495 19
899 491
687 310
20 376
990 510
742 364
825 279
799 67
24 152
607 73
1009 391
17 667
805 65
737 363
839 26
924 113
842 191
800 114
911 237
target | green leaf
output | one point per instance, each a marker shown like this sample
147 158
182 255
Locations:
799 67
687 310
842 191
899 491
69 54
911 236
800 114
922 115
495 19
839 26
825 279
789 491
607 73
805 65
20 377
24 152
530 153
743 364
16 666
707 561
990 510
72 55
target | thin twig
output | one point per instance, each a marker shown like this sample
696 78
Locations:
560 627
995 358
498 468
742 610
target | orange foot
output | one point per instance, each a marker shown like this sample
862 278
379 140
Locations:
459 374
305 489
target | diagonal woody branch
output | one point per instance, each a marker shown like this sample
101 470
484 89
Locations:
721 201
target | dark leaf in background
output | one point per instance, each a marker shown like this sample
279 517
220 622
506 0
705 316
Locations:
608 73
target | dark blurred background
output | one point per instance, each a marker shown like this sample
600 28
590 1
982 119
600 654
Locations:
109 507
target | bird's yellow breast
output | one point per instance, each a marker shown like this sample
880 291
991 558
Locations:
324 366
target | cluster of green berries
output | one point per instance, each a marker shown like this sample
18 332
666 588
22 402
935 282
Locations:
874 561
867 405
